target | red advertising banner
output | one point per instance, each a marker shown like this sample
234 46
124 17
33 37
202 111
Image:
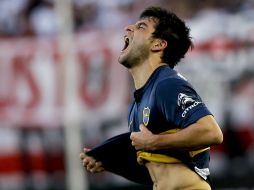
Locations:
31 79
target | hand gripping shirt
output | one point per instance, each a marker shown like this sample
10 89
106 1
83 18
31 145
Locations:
165 104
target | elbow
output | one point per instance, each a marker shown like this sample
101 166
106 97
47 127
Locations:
217 137
220 139
210 127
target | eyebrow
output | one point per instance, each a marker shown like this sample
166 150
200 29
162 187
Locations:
150 19
141 22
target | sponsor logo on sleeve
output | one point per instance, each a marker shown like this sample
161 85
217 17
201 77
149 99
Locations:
186 103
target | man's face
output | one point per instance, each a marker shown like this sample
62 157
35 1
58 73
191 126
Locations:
138 40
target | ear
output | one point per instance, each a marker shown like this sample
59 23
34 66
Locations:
159 45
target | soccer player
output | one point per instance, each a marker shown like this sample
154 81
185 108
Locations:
171 127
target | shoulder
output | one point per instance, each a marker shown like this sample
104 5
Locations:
169 84
173 83
175 90
169 76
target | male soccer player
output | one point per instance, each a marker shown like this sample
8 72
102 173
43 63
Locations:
171 127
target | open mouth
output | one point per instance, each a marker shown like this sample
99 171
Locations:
126 43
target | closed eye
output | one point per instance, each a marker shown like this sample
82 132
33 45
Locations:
141 25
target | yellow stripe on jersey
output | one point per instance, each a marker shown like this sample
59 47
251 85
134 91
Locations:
141 155
170 131
195 152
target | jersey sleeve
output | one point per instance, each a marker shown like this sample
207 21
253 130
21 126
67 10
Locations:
179 103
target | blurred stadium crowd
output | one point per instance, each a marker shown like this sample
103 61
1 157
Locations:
37 17
221 67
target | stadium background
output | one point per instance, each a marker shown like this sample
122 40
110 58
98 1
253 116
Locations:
62 90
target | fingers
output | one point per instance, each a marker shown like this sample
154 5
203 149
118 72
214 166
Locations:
142 140
136 146
90 163
133 140
134 135
97 167
82 155
92 166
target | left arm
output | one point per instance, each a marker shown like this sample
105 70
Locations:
205 132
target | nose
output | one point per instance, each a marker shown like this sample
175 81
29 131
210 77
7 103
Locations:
129 28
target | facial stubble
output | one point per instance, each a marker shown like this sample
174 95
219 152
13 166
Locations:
135 56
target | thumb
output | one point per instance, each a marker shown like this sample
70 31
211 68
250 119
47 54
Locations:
142 127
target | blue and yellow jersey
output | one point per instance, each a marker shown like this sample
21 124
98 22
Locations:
165 104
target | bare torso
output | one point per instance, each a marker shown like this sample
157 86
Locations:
175 177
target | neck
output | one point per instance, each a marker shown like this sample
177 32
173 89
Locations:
142 72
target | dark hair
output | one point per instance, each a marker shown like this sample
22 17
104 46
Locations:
173 30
